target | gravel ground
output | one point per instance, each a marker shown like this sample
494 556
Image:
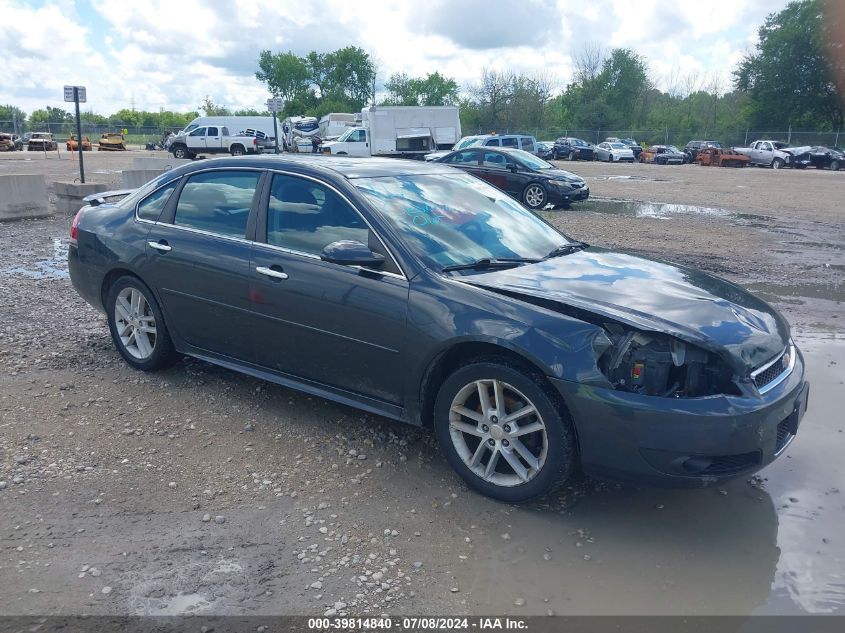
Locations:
197 490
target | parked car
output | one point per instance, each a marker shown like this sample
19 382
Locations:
521 175
692 148
111 141
71 144
635 147
10 142
774 154
41 142
818 157
212 139
545 150
572 148
513 141
662 155
417 292
613 152
721 157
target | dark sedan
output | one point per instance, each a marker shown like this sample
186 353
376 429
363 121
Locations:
572 149
522 175
818 157
423 294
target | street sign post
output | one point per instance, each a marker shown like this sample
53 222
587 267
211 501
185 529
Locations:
274 105
77 94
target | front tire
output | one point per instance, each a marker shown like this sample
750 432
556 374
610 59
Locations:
777 163
834 165
535 196
181 152
502 432
137 325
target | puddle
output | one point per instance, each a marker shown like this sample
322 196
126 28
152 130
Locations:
655 210
785 292
52 267
180 604
642 178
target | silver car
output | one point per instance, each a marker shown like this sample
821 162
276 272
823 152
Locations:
613 152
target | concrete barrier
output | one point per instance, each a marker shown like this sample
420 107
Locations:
23 196
134 178
153 162
69 195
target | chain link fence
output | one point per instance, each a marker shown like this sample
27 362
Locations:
63 129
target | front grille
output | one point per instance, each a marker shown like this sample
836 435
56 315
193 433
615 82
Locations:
784 434
773 371
729 464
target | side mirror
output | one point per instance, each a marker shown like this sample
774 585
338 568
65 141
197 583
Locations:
351 253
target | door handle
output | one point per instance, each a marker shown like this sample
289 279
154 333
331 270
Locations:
160 246
275 274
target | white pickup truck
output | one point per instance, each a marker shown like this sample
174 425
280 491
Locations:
768 153
212 139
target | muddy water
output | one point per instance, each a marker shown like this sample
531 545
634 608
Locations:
768 545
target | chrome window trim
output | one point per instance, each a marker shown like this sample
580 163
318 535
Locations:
780 377
353 207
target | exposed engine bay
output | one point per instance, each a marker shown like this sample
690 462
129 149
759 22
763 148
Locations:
657 365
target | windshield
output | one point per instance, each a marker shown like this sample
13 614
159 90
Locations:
347 133
467 142
458 219
618 146
529 160
674 149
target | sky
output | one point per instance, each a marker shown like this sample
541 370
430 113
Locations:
171 53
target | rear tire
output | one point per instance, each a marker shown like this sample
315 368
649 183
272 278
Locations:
504 450
238 150
137 325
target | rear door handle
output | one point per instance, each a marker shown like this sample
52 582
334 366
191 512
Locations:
160 246
275 274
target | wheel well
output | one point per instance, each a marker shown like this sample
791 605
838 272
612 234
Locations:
236 146
110 278
462 354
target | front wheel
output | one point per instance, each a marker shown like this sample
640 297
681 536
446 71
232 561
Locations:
503 433
137 325
777 163
180 151
535 196
834 165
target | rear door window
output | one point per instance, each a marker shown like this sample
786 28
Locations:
527 143
466 157
217 201
493 142
151 207
509 142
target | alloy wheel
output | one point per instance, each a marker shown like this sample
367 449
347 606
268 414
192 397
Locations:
498 433
135 323
535 196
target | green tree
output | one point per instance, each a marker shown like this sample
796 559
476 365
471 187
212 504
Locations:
213 109
789 78
51 115
11 116
286 75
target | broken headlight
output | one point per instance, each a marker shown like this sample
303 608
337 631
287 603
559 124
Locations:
653 364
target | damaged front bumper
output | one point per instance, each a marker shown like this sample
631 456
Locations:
684 442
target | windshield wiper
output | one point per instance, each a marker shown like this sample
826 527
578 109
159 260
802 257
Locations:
487 262
567 249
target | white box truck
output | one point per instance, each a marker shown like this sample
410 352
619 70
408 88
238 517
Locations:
402 131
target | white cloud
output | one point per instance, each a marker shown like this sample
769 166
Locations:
162 53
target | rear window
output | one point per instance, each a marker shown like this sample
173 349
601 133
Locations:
528 143
509 142
150 208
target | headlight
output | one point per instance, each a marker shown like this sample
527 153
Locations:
653 364
561 183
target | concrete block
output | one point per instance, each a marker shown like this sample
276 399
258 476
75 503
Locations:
69 195
153 162
23 196
134 178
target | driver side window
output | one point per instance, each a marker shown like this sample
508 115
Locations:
200 131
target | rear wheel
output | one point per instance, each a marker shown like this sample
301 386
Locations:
535 196
777 163
502 432
238 150
137 325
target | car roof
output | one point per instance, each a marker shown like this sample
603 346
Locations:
343 166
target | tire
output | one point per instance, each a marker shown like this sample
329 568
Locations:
834 165
551 446
126 313
777 163
570 156
180 152
238 150
535 196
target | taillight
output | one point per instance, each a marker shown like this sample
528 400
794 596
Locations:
255 141
74 226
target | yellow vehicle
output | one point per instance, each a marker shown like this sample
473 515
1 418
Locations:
111 141
71 144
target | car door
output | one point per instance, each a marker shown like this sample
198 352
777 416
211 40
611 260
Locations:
195 140
339 326
359 143
197 259
467 160
213 139
493 169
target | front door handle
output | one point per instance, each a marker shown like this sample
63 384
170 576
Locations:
275 274
160 246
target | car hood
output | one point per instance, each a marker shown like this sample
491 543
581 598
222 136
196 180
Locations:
653 295
560 174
